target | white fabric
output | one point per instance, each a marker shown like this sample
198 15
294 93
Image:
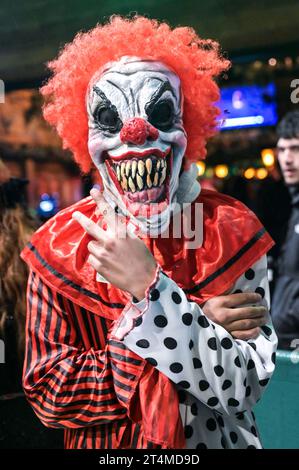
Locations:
224 377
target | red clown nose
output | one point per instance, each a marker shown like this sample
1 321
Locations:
137 131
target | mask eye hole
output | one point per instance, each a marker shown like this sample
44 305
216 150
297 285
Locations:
108 119
161 115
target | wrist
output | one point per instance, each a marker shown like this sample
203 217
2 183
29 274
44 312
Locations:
140 289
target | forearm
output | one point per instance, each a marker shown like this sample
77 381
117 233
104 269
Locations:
226 374
67 385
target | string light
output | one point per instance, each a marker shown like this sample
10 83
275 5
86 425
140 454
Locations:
268 157
221 171
272 62
209 172
201 168
261 173
249 173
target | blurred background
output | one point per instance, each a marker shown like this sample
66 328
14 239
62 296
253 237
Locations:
261 38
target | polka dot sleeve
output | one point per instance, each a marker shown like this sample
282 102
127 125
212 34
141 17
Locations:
198 355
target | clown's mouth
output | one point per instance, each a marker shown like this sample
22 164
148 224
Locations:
142 178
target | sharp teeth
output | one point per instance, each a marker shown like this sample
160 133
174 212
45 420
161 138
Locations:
158 164
156 179
163 176
148 181
124 183
141 167
132 185
148 165
122 168
139 181
134 168
128 166
162 163
118 172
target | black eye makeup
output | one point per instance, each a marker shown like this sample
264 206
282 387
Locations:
106 115
161 114
160 111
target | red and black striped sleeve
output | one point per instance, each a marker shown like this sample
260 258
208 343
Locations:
67 384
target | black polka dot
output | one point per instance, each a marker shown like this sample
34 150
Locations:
188 431
223 442
220 421
194 409
191 344
213 326
187 319
213 401
233 436
182 396
249 274
176 297
226 343
233 402
142 343
176 367
170 343
237 361
251 447
253 345
212 343
218 370
160 321
245 382
252 414
238 291
240 415
267 330
203 385
248 391
154 295
253 430
273 358
184 384
138 321
152 361
261 291
211 424
226 384
250 364
201 445
203 322
263 382
197 364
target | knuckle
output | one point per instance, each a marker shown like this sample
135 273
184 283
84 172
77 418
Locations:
247 324
110 244
244 335
222 315
90 245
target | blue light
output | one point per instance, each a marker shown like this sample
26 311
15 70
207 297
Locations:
46 206
247 106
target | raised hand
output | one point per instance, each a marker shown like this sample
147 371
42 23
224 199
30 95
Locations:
118 255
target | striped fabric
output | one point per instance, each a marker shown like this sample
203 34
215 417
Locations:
76 378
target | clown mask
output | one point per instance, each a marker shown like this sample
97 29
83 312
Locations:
136 138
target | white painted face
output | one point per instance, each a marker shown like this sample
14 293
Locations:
136 137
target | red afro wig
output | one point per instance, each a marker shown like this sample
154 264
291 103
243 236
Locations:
196 61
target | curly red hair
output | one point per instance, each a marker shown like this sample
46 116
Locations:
196 61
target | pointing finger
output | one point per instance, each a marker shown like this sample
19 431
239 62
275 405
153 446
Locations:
89 226
104 208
